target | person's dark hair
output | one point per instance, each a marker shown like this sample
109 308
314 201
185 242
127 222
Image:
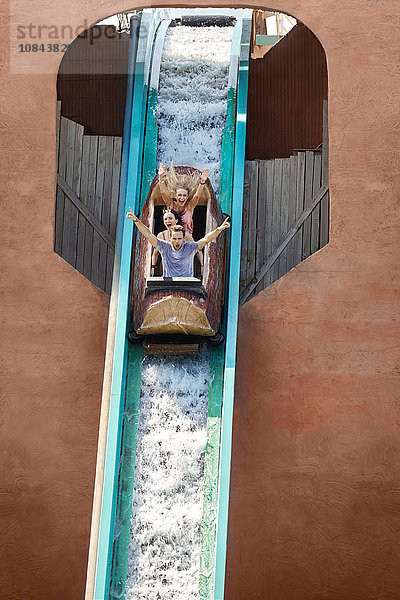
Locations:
175 213
179 228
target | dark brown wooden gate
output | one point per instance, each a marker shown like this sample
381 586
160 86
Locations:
285 215
88 176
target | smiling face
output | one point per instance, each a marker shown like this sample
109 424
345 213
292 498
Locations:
169 219
182 196
177 239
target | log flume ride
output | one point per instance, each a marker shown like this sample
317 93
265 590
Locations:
169 309
160 511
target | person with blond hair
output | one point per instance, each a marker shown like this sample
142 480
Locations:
180 200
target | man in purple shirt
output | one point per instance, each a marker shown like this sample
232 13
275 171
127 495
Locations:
177 255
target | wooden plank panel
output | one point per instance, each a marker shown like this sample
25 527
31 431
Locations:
92 171
245 220
99 248
316 212
99 261
275 255
286 188
102 270
85 169
70 222
95 275
325 145
80 243
77 169
88 251
269 212
70 231
282 263
308 196
292 209
58 124
324 219
59 217
76 186
100 173
109 269
262 227
82 223
116 173
90 218
90 201
105 217
90 166
99 209
298 246
252 221
69 166
276 217
60 202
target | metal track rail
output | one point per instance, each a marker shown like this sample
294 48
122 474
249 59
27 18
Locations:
232 308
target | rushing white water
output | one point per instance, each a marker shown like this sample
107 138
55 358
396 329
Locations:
164 554
192 95
165 542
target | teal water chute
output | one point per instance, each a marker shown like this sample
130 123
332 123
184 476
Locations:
116 471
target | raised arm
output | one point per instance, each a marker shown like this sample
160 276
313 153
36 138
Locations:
163 188
142 228
194 201
209 237
155 255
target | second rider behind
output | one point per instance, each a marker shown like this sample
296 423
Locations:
172 218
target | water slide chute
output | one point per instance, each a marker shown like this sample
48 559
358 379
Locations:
125 384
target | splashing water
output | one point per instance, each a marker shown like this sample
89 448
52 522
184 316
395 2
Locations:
192 97
164 551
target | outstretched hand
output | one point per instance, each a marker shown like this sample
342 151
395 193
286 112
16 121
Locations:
225 224
204 175
131 215
161 171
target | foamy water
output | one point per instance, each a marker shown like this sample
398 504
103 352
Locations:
168 494
191 111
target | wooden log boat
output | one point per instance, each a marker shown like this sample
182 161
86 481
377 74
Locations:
191 306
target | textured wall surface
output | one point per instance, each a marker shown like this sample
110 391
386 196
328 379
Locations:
315 500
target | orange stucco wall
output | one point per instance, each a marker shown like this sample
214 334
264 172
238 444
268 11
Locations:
315 499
